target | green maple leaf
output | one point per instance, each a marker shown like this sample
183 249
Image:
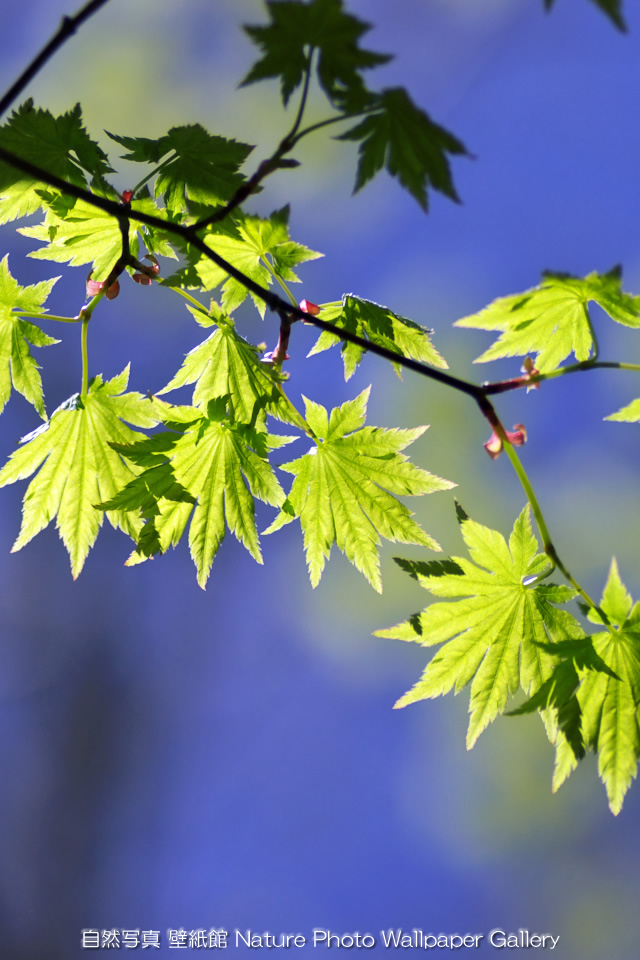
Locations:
628 414
342 491
77 467
552 320
225 364
494 632
196 165
379 325
323 25
85 234
17 366
59 145
612 8
260 248
404 139
608 699
212 472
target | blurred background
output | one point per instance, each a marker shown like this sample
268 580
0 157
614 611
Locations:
174 758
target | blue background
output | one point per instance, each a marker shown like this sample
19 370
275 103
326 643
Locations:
178 758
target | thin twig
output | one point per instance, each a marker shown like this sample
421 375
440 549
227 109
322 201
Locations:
67 28
530 380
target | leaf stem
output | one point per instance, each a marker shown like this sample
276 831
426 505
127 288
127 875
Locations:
151 174
596 345
329 122
85 356
187 296
549 547
290 137
33 315
283 285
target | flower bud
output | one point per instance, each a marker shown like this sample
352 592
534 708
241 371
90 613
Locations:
516 438
309 307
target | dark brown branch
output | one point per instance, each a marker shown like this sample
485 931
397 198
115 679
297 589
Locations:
67 28
272 300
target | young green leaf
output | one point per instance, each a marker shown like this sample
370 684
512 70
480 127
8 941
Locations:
321 25
216 464
77 466
60 145
494 632
628 414
400 136
17 366
552 320
379 325
343 489
226 365
196 166
612 8
261 248
609 700
85 234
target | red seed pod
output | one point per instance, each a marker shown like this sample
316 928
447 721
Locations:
113 290
143 279
126 196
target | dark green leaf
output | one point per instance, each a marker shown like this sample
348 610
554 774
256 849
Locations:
612 8
323 25
400 136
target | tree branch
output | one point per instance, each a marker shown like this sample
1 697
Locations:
272 300
67 28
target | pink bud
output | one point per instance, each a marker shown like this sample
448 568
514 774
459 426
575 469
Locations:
516 437
309 307
94 287
529 369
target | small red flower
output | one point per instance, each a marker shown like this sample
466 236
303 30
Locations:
516 437
126 196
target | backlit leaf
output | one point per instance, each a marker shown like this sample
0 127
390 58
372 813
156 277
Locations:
492 625
77 467
379 325
343 489
552 320
17 366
